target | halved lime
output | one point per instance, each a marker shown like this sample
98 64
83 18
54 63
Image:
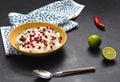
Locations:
109 53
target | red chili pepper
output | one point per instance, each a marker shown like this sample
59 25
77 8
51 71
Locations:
98 23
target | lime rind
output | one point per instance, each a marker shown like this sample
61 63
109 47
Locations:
94 41
109 53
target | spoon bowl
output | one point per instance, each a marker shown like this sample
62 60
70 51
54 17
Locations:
42 73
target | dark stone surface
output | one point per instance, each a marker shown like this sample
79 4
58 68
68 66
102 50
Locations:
76 52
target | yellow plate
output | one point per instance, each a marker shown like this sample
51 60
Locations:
15 32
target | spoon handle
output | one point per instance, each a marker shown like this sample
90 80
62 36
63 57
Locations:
75 71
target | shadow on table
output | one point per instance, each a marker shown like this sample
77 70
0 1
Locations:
95 52
108 63
28 63
41 80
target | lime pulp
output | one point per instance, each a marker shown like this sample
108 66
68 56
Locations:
109 53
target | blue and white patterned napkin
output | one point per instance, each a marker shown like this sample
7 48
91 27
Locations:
58 13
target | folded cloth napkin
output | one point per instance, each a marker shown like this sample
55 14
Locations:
58 13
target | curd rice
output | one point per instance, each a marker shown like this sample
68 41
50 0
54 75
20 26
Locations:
40 39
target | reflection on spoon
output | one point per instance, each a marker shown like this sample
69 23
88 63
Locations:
47 75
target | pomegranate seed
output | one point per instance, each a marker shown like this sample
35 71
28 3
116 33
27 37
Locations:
33 46
43 33
40 36
53 38
31 39
28 46
22 39
48 31
23 45
37 41
28 31
51 46
44 29
40 40
46 36
39 47
45 42
27 43
31 35
37 38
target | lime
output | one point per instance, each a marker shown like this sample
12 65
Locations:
94 41
109 53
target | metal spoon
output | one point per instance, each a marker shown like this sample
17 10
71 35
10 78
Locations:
47 75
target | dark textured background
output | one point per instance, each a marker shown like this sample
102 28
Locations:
75 53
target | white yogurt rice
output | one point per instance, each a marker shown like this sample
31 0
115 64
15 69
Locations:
41 39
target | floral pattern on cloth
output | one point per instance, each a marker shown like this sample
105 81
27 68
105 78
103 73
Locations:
59 13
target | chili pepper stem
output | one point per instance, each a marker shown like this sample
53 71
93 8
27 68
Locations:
99 27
